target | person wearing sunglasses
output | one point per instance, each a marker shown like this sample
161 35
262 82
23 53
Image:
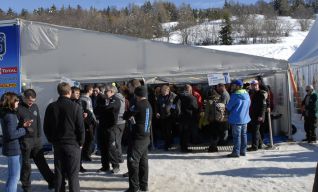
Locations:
310 113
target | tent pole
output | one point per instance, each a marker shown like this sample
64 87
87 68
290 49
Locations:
289 106
270 129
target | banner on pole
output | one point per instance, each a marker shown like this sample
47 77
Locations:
10 79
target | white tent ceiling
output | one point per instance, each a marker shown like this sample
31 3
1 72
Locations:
50 52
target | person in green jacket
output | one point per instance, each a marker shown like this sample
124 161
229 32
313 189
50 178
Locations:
310 113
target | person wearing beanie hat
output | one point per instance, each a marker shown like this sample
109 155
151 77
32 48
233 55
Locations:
139 139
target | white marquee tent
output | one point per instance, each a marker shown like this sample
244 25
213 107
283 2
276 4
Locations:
50 53
305 61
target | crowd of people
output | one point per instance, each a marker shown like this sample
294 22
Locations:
102 118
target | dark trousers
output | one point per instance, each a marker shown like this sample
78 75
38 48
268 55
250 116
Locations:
67 164
137 162
256 135
119 136
109 147
89 139
167 128
186 127
219 133
310 128
32 148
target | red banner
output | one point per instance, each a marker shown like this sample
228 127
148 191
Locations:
8 70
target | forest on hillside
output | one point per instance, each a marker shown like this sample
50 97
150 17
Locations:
145 21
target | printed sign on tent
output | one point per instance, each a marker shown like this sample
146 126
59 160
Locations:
216 78
10 80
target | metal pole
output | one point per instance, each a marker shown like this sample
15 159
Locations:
270 128
289 104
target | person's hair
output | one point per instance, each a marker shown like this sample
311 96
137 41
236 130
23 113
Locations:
75 89
188 88
309 87
9 100
165 87
112 88
87 88
135 83
63 88
29 93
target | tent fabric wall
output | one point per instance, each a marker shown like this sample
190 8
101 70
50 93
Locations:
50 52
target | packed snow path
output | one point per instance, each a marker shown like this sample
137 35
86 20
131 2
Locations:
289 168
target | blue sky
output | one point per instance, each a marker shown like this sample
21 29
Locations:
17 5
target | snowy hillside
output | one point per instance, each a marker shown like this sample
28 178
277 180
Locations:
281 50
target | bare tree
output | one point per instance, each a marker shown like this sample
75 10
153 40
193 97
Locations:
186 20
304 24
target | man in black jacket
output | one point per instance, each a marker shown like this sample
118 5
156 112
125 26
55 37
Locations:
257 114
109 130
139 138
189 108
64 128
31 146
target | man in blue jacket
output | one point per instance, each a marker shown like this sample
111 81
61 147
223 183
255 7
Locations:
238 108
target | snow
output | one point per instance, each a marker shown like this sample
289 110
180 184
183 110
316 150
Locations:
281 50
291 167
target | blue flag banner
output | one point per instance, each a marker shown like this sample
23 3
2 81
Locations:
10 79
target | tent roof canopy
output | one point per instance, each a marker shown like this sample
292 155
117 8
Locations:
307 52
50 52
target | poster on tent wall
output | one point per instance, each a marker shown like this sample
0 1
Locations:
10 79
216 78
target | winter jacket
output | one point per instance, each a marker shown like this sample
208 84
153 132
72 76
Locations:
27 113
166 105
63 123
11 132
122 108
189 106
311 110
108 112
142 114
88 108
258 105
238 107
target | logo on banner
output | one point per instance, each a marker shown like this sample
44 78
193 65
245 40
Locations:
2 45
8 85
8 70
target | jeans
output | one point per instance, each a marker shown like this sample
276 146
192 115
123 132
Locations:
14 168
239 138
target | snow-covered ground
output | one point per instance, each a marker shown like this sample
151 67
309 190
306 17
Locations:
281 50
291 168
